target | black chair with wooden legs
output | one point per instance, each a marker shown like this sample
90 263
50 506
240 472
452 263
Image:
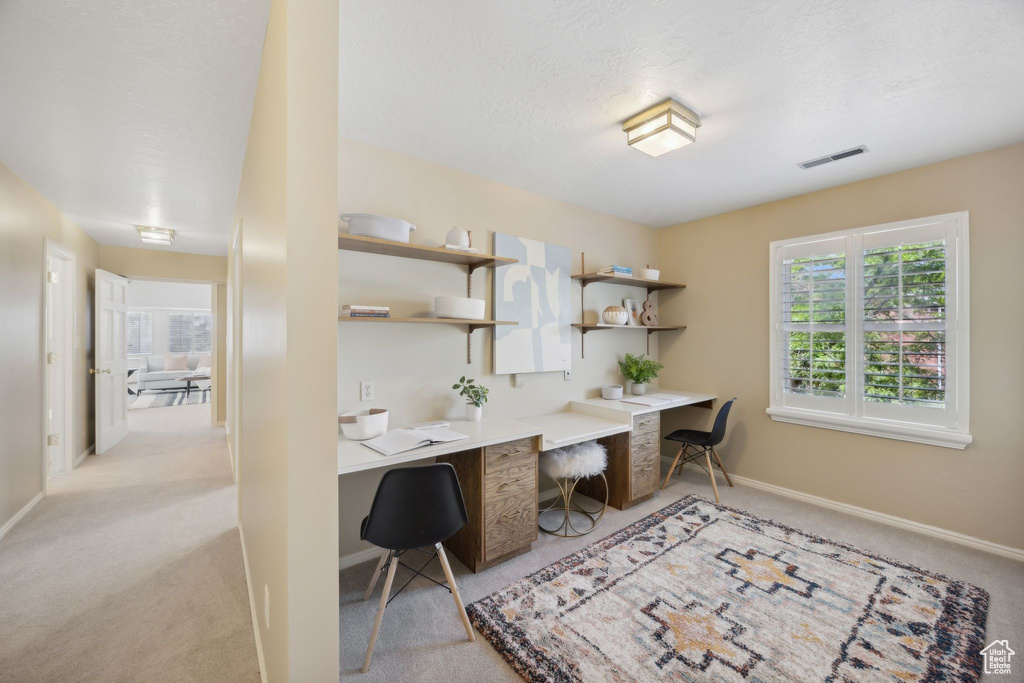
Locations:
414 508
696 444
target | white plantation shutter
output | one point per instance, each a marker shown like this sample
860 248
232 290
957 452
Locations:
202 332
870 330
140 333
179 332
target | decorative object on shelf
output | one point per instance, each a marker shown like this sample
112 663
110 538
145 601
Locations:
662 128
649 273
360 311
360 425
475 394
640 371
534 293
615 315
381 227
457 238
611 392
459 307
648 317
633 309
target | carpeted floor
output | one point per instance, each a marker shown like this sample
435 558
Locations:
422 638
131 568
168 399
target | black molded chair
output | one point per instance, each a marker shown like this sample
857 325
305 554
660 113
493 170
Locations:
414 507
696 443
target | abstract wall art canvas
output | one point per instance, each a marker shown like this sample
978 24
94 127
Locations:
535 294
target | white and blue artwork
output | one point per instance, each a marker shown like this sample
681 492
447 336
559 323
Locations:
535 294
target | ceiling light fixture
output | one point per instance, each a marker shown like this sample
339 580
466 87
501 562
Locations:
662 128
161 236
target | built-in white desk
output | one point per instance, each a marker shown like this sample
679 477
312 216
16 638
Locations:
497 466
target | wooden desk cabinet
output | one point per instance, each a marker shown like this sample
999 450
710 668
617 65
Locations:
634 464
499 485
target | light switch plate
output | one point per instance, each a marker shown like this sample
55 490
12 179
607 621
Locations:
519 379
568 375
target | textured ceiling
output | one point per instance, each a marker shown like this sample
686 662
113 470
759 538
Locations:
125 112
532 93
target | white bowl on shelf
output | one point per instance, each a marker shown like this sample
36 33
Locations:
459 307
360 425
381 227
611 392
649 274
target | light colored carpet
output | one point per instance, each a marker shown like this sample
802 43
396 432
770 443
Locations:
168 399
131 569
422 638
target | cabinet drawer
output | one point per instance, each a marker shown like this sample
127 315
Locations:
504 455
644 467
510 506
648 422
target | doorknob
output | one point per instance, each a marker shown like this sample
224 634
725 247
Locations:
94 371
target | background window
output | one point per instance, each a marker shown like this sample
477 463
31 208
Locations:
140 333
190 332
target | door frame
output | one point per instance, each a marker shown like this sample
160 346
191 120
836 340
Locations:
68 273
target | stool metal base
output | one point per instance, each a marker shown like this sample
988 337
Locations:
566 504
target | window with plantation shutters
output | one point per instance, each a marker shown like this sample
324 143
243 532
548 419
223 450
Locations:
140 333
870 330
190 332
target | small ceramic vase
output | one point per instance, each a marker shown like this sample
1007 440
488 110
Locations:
473 412
615 315
457 237
638 389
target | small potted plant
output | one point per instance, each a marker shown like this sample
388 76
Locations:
476 396
640 371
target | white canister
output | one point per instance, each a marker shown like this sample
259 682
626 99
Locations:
473 412
615 315
611 392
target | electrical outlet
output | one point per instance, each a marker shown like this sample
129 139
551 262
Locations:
568 375
266 606
366 391
519 379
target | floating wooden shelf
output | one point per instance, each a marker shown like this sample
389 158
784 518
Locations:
372 245
650 329
473 324
650 285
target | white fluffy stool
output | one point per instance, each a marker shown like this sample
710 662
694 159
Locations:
567 466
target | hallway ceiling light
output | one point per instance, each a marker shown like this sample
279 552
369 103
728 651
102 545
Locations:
662 128
161 236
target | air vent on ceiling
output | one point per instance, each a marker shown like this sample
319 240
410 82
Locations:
833 157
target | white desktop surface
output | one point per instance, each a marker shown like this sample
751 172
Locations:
598 406
353 456
565 429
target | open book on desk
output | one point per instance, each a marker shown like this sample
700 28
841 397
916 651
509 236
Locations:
402 440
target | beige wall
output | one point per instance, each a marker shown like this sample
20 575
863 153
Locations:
172 265
26 220
413 367
724 262
287 211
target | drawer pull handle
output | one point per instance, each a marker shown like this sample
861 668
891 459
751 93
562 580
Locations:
511 515
648 468
509 455
509 483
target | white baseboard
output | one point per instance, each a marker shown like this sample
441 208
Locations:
9 524
881 517
82 456
219 424
252 608
358 558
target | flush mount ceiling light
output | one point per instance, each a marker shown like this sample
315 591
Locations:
662 128
161 236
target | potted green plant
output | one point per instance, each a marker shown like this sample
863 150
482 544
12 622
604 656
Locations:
640 371
475 394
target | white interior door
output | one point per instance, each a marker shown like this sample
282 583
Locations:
111 372
58 358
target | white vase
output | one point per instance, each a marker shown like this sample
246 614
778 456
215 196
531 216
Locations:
638 389
473 412
457 237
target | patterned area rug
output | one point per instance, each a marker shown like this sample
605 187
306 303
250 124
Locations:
699 591
165 399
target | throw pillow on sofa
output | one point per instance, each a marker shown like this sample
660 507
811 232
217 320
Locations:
175 361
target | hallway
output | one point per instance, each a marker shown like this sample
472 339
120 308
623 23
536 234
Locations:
131 568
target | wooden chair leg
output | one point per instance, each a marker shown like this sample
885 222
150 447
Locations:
707 456
380 610
674 463
455 592
376 575
719 461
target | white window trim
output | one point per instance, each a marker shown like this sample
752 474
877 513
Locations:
951 437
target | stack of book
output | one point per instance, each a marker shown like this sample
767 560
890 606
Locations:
358 311
617 271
